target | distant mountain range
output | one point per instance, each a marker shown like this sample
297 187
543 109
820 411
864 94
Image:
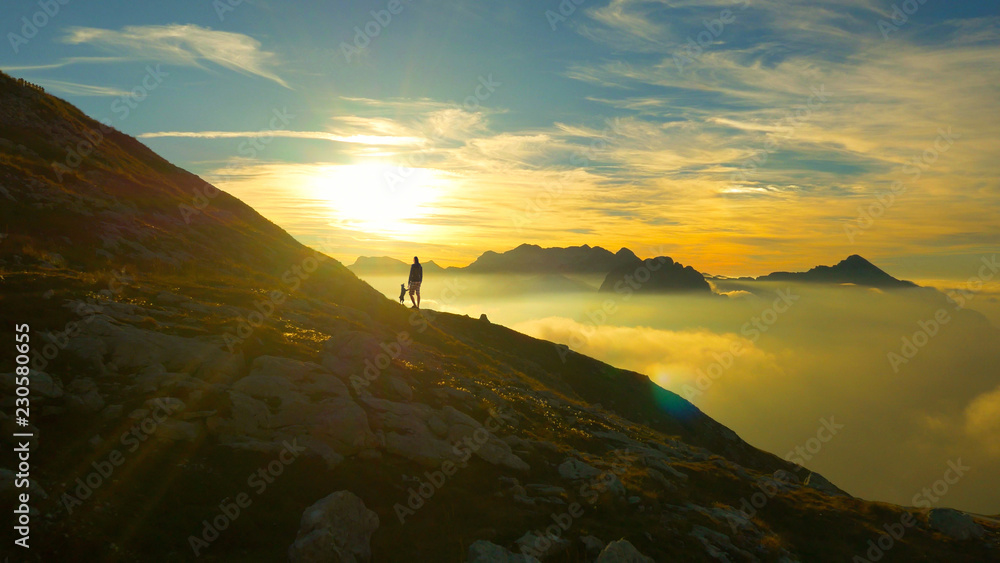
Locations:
533 259
552 269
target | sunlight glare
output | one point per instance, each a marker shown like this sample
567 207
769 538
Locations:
379 198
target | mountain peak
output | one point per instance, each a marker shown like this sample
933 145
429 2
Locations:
856 260
854 269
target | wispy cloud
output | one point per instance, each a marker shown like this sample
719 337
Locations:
184 45
319 135
75 89
67 62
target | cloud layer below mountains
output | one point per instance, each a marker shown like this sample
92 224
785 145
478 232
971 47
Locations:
827 355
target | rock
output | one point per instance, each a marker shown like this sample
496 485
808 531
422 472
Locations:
615 486
484 318
83 396
169 298
954 524
348 349
592 545
266 387
666 468
543 490
482 551
248 416
40 383
720 546
167 405
574 469
622 551
396 388
172 430
508 481
112 412
525 500
307 377
338 422
337 528
480 440
407 433
544 546
131 349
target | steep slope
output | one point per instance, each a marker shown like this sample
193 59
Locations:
853 269
216 390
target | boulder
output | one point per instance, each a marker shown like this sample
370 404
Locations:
348 349
307 377
544 546
83 396
337 528
482 551
42 385
954 524
622 551
129 349
172 430
592 545
574 469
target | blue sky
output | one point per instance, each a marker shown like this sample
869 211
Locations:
741 137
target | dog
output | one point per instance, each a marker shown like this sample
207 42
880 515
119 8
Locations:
402 293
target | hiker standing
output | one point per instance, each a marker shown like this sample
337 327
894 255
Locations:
416 276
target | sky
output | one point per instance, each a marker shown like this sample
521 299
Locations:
742 137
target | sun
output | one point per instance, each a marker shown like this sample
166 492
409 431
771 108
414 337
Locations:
379 198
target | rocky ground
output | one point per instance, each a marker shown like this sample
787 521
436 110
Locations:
198 426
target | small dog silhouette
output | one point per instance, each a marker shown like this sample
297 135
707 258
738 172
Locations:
402 293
